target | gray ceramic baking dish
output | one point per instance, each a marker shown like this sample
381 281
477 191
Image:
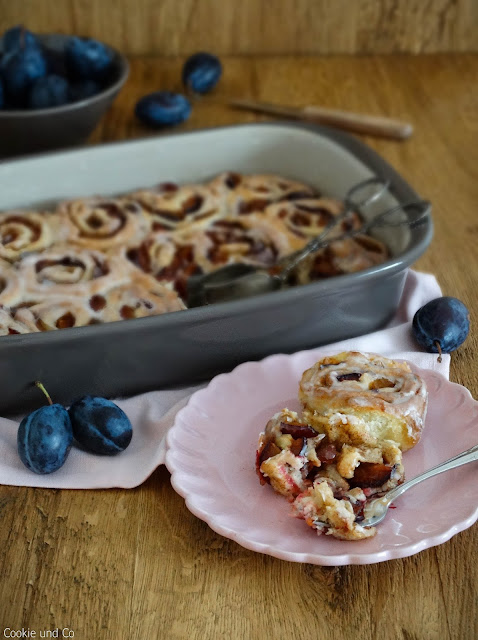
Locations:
133 356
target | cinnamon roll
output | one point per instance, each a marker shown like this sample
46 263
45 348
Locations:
174 257
341 257
360 412
328 482
101 224
308 217
23 232
170 206
11 285
142 296
253 239
169 257
365 398
245 194
337 492
9 326
90 250
66 270
329 515
288 451
56 313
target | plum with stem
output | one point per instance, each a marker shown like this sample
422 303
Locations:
44 437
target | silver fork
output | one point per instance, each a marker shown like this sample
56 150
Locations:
376 510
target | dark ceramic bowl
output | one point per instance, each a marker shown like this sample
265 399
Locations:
26 131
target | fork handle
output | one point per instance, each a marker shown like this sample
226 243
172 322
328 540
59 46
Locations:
359 122
470 455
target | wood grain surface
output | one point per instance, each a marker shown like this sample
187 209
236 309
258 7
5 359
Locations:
136 564
251 27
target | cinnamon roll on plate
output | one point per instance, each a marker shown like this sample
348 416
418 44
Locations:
380 397
360 412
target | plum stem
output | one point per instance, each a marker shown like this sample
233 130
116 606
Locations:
40 386
437 344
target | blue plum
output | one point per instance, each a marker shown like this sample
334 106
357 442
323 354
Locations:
56 62
49 91
44 439
5 59
18 38
163 108
20 71
201 72
100 426
441 325
84 89
88 58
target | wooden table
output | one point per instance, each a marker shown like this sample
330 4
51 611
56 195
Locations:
135 564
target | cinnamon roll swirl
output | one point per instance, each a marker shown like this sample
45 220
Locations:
23 232
90 250
341 257
169 257
170 206
245 194
360 412
101 224
174 257
253 239
11 285
308 217
66 270
56 313
365 398
142 296
9 326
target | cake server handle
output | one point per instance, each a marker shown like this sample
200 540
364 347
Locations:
367 124
376 510
359 122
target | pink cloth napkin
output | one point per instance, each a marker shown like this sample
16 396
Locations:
152 414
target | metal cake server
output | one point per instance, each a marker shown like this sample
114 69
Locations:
239 280
376 510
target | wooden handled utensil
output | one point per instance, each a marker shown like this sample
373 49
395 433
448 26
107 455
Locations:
355 122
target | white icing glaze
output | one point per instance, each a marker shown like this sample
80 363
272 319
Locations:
406 397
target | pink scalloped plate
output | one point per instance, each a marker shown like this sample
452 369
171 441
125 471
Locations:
211 457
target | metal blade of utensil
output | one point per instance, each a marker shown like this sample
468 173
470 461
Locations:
236 280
